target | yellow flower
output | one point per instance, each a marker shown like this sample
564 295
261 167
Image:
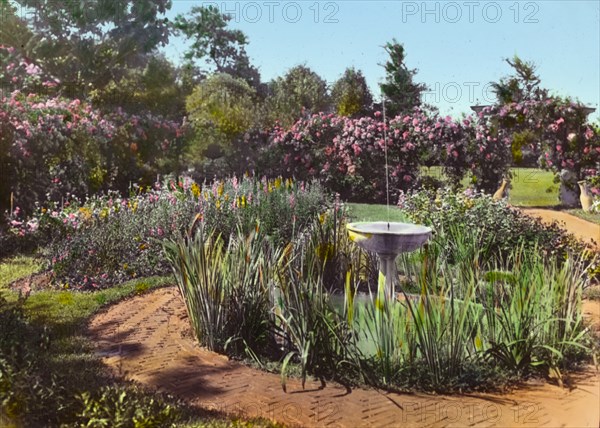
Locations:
220 189
277 182
86 213
243 202
44 210
195 190
322 217
218 204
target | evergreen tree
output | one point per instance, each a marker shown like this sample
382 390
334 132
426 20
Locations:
401 92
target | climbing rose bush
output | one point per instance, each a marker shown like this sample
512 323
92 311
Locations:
348 155
51 146
554 130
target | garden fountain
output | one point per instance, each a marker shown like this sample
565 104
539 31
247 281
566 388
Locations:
386 239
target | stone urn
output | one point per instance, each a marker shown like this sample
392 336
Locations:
502 191
585 196
568 190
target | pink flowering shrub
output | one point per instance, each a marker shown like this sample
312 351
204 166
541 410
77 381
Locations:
52 146
20 73
348 155
554 130
488 153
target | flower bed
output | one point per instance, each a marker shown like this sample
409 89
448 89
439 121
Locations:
101 241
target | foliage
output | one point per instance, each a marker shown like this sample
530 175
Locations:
14 31
219 46
522 86
88 44
21 73
220 109
254 294
226 288
153 88
115 406
350 94
300 92
105 240
499 228
348 155
401 92
55 146
489 151
316 335
553 129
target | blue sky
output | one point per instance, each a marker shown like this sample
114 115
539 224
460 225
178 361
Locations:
457 47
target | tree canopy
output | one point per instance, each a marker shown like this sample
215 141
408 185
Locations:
88 44
299 91
523 85
221 48
351 95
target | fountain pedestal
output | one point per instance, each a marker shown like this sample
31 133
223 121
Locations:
387 240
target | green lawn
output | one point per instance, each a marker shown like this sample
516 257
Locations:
531 187
374 212
17 267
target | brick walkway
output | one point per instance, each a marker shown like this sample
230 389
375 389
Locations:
148 339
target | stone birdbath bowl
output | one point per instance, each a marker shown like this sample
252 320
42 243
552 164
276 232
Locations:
388 240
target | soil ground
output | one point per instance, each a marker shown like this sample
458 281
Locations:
582 229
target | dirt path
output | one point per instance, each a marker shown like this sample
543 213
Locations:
148 339
582 229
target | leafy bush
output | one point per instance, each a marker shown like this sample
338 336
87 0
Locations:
115 406
24 389
499 227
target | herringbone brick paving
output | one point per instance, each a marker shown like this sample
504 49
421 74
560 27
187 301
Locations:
148 339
